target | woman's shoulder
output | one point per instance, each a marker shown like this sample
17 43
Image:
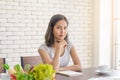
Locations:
43 46
70 45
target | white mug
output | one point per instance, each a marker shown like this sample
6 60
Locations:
103 68
4 76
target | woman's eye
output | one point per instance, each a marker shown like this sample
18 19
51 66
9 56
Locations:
58 27
65 27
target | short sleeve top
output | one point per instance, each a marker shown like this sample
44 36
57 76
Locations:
64 59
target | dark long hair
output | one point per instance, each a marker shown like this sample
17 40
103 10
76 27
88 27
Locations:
49 37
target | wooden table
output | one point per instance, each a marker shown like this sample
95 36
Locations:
87 74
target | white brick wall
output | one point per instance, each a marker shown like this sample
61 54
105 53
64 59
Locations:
23 24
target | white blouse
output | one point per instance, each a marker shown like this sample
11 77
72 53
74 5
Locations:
64 59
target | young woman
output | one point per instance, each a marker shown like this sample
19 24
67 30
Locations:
57 49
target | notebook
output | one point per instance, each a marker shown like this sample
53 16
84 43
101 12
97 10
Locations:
70 73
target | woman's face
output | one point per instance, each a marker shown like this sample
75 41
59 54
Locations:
60 30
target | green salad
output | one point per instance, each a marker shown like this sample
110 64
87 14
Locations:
37 72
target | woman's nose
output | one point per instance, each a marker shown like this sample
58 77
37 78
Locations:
62 30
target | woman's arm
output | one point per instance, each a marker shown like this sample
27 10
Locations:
47 60
76 61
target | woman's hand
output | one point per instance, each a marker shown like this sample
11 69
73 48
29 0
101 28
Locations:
61 43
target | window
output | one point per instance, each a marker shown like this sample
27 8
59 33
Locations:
116 32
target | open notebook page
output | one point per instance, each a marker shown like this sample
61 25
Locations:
70 73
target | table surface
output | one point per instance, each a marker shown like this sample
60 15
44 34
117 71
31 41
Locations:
87 74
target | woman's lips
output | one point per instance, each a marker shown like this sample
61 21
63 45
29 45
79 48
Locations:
61 35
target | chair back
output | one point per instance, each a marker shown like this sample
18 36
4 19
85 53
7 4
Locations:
2 61
32 60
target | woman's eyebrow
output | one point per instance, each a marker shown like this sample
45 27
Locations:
61 26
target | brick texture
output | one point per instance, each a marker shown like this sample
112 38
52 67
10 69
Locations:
23 24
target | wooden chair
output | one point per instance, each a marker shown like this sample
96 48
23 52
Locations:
2 61
32 60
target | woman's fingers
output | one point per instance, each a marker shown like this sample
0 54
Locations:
62 42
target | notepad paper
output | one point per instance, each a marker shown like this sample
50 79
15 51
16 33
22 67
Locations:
105 78
70 73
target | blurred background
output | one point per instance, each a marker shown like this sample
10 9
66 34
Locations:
94 26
